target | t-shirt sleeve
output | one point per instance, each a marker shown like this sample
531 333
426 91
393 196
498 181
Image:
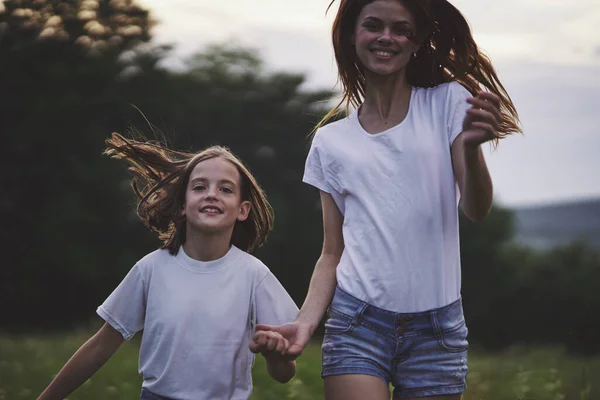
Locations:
314 171
125 308
274 306
456 109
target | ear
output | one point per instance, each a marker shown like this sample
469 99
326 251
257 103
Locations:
183 210
244 210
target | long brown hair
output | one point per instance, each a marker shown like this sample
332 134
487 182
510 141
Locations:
447 53
160 178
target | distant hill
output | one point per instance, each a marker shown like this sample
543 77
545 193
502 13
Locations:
545 226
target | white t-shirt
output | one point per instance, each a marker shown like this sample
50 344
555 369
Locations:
397 192
198 319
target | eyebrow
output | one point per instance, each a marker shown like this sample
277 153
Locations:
192 181
401 22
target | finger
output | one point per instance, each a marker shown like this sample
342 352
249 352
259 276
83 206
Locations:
483 116
294 350
483 103
486 105
263 327
491 97
281 345
486 127
254 347
271 344
263 340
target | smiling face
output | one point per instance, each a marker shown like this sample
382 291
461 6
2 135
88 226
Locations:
384 37
213 198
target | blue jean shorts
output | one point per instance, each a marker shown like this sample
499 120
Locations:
148 395
421 354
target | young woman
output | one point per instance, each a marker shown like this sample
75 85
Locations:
198 298
389 272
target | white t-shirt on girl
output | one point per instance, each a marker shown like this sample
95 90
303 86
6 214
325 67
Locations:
397 192
197 319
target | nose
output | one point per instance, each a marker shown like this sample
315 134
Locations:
386 36
212 193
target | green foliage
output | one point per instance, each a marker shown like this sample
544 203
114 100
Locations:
28 363
514 294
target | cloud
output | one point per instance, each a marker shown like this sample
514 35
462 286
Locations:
556 157
546 52
551 31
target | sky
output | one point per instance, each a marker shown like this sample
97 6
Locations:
547 54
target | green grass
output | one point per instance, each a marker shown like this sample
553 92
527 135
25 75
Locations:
28 363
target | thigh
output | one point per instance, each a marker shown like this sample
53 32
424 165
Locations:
356 387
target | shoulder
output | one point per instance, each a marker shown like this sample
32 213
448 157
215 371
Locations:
250 263
158 257
332 132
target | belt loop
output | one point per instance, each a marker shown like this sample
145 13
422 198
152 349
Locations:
435 323
358 314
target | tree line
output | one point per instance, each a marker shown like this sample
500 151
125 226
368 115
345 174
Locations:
72 72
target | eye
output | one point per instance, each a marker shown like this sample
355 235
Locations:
371 26
404 32
225 189
198 187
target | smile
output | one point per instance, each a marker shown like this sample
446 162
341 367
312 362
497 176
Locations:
211 210
382 53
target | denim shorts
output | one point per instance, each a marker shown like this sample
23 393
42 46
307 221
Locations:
421 354
148 395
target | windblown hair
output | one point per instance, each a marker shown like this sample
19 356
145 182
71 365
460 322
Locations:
160 179
447 53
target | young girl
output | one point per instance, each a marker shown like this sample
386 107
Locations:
198 298
387 173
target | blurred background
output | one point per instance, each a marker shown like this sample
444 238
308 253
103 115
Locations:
257 76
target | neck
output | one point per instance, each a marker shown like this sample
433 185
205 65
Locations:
206 247
385 94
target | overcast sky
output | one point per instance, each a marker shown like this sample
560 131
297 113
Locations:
547 53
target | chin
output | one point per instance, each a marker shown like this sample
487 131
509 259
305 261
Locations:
383 70
207 228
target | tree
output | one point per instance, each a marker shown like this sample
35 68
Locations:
60 70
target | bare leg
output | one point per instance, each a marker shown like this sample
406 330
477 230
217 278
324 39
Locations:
356 387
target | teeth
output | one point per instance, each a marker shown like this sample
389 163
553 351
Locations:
210 210
384 53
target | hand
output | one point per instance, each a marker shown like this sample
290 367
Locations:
296 333
266 342
482 120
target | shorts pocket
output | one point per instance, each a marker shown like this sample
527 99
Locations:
454 340
338 322
451 329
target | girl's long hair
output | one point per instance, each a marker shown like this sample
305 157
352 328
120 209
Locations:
447 53
160 179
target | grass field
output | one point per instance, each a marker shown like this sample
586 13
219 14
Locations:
28 363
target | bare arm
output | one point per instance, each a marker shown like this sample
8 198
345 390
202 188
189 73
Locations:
271 345
470 170
84 363
473 177
322 284
323 281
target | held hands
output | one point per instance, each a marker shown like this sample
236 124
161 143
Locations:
482 120
295 336
268 342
